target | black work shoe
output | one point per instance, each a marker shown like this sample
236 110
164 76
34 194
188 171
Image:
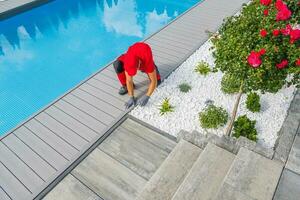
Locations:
158 82
123 90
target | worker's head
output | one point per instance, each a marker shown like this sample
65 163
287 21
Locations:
130 64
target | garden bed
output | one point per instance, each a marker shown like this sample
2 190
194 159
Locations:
185 115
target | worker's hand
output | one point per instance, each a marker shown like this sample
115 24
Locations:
144 100
130 102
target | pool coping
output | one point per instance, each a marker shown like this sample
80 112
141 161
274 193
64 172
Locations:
21 8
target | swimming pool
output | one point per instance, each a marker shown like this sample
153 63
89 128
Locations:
46 51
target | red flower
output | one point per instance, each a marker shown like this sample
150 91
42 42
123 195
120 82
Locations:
262 51
276 32
266 12
279 4
294 35
254 59
283 64
283 11
298 62
287 30
263 33
265 2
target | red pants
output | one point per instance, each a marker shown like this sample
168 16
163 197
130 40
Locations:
118 66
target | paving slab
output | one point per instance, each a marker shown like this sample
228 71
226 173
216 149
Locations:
289 186
253 175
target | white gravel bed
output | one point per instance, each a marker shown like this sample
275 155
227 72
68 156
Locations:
188 105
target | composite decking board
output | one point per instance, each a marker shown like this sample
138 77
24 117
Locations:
89 109
3 194
185 34
63 147
139 155
103 95
170 46
72 123
22 171
33 160
101 105
85 118
68 135
11 185
54 158
168 42
111 91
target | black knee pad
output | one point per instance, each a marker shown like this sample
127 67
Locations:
119 67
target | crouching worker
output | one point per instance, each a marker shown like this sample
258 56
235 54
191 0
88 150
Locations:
138 57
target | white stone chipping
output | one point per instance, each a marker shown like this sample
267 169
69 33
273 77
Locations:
188 105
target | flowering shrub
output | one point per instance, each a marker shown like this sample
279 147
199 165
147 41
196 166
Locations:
261 46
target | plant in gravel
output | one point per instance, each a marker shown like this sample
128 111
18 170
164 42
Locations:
202 68
166 107
229 84
253 102
213 117
184 87
243 126
260 47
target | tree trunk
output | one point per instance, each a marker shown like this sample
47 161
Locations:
235 109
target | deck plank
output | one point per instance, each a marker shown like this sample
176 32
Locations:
12 186
64 148
34 161
68 135
50 154
24 173
81 116
89 109
73 124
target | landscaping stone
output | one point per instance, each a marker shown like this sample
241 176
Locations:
289 186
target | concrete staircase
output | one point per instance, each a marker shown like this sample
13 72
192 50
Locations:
213 173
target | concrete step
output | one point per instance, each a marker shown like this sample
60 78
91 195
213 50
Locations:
206 176
171 173
251 176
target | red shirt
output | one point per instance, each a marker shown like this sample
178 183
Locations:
138 52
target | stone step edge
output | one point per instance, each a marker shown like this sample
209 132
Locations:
228 143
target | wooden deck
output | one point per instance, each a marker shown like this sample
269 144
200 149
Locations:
48 146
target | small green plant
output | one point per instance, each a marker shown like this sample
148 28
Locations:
184 87
229 84
166 107
243 126
203 68
253 102
213 117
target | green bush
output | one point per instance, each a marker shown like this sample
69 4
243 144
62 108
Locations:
258 49
184 87
253 102
229 84
243 126
166 107
213 117
202 68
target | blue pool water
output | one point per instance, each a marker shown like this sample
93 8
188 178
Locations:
48 50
